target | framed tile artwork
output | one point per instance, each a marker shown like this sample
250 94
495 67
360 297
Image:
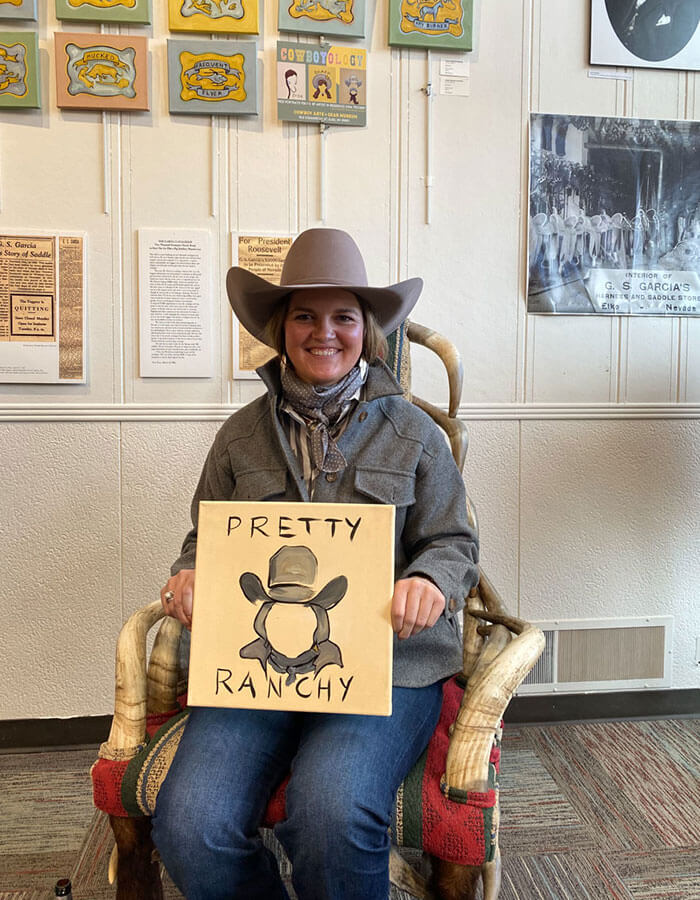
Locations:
18 9
137 12
213 78
214 16
101 71
19 70
432 24
335 17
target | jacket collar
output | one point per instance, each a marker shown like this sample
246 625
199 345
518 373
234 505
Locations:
380 382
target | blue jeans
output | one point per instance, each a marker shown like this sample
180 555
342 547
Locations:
345 773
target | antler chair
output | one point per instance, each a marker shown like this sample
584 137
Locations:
448 804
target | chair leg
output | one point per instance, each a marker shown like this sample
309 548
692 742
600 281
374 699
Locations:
451 881
138 875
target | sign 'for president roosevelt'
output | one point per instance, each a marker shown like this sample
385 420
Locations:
292 607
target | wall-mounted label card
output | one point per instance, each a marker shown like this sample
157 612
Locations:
175 303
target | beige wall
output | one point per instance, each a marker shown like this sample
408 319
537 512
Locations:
584 458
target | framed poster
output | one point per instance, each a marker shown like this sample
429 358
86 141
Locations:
432 24
213 78
18 9
660 34
19 70
614 224
333 17
324 83
293 607
42 308
101 71
264 255
137 12
224 16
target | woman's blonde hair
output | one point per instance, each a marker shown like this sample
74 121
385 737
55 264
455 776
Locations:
374 345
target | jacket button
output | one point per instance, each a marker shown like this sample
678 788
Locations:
362 416
331 476
452 604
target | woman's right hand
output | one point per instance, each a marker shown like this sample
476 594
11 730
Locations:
179 605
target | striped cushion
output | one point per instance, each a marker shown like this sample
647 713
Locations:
460 830
399 358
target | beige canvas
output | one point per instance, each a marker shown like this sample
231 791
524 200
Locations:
292 607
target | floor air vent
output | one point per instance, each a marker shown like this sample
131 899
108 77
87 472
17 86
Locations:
602 655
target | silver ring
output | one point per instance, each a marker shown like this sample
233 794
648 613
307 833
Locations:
168 596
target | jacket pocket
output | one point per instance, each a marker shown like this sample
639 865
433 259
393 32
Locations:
386 486
260 484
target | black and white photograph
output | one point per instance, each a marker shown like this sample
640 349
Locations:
661 34
614 218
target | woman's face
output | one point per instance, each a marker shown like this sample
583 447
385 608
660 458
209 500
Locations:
323 332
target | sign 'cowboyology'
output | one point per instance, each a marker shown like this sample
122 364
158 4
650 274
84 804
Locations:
293 607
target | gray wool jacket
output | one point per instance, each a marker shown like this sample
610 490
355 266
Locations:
396 455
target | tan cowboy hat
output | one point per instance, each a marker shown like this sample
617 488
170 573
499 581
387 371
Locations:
318 258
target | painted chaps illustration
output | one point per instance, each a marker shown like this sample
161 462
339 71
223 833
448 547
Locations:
101 71
292 624
434 18
212 77
213 9
13 70
323 10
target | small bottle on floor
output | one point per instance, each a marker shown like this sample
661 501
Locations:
64 889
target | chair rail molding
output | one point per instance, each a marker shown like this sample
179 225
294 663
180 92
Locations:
167 412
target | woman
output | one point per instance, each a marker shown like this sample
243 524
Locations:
333 427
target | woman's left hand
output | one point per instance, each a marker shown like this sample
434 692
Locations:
417 604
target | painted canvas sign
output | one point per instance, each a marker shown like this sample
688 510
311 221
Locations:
215 16
19 70
293 607
614 225
326 83
332 17
433 24
212 77
101 71
18 9
136 11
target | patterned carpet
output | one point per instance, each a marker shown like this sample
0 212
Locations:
589 811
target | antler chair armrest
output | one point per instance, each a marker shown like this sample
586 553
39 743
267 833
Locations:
512 648
446 350
128 729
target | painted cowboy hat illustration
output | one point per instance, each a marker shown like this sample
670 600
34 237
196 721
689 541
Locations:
292 572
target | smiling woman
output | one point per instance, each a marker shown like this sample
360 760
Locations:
333 427
323 334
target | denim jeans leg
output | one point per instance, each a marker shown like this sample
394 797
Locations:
213 800
341 794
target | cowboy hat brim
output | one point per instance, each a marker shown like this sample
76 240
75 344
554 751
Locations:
254 299
327 597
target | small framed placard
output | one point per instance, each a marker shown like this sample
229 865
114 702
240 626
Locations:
19 70
334 17
18 9
137 12
432 24
214 78
101 71
293 607
223 16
